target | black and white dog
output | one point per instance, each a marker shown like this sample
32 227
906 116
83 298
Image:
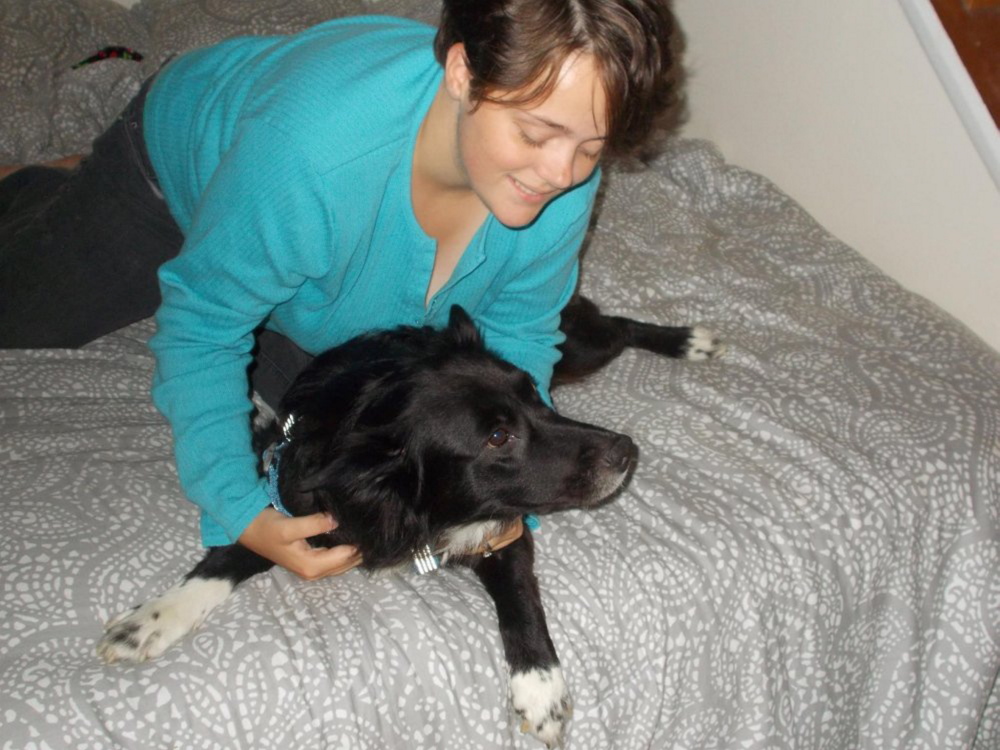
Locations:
421 441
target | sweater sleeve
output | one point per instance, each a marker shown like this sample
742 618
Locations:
262 227
522 323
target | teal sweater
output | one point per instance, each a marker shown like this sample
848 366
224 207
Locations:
286 162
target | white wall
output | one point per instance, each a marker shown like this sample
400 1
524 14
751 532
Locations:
838 104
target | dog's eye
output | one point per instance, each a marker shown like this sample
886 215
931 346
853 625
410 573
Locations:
499 437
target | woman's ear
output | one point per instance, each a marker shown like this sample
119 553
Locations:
457 75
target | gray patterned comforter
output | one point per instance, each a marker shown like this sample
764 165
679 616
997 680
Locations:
807 556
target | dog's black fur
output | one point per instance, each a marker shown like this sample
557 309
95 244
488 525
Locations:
415 437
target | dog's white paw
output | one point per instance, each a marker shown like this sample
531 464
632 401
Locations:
702 344
542 702
150 629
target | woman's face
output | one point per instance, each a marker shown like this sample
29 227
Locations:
518 158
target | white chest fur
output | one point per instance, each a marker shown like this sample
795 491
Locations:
468 538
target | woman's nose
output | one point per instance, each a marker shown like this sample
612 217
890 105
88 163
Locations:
556 168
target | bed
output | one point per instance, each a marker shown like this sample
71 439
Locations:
806 557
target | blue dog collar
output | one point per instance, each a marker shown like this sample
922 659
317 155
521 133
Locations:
272 461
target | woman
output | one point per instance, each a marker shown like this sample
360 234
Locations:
294 192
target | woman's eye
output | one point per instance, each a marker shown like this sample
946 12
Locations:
498 438
529 140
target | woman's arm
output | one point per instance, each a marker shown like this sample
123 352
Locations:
262 226
522 323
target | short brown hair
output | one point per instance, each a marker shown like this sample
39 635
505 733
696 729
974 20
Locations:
520 46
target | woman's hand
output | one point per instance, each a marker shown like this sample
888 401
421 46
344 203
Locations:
282 540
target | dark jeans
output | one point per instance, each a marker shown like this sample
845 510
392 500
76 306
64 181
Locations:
80 249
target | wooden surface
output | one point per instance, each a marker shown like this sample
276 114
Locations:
974 28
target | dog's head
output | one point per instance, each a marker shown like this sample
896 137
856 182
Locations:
407 433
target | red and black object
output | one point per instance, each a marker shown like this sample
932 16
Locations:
110 53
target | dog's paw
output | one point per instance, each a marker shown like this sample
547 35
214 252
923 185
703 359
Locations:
702 344
150 629
542 702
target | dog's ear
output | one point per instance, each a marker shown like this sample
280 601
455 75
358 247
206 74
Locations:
382 500
461 328
371 486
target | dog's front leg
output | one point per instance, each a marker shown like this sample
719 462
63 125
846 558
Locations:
148 630
538 690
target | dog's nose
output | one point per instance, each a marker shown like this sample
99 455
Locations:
621 453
